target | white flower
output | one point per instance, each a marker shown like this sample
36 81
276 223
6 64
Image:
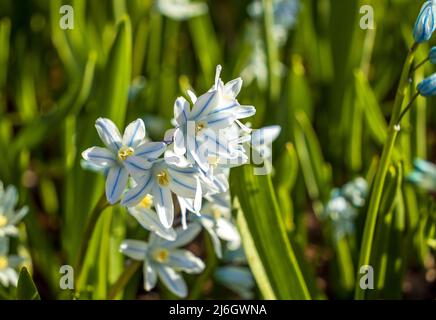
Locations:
261 143
216 219
8 216
181 9
201 132
164 259
129 154
164 177
8 263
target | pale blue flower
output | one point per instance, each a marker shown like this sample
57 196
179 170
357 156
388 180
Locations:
216 219
181 9
427 87
199 132
238 279
123 156
164 260
423 175
342 214
356 191
425 24
8 216
167 175
8 264
261 144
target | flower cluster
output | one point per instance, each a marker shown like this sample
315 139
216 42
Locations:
9 218
157 180
343 205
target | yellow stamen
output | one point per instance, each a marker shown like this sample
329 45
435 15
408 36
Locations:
147 202
125 152
217 214
3 220
163 178
200 126
3 262
161 255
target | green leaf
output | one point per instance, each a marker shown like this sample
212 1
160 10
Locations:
26 289
270 253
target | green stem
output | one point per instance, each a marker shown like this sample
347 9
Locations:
92 221
377 190
123 279
407 108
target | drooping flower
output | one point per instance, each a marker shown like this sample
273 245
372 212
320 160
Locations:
181 9
8 216
216 219
123 156
423 175
164 260
427 87
167 175
425 24
8 264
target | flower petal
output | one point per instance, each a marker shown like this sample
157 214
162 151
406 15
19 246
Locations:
116 183
134 133
109 134
220 120
181 110
179 142
186 261
134 249
137 166
164 205
148 219
233 87
150 150
101 157
137 193
173 281
204 104
150 276
184 236
183 185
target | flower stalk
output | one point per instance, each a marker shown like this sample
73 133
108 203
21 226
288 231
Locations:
380 177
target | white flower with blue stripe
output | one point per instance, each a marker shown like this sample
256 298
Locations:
423 175
8 264
200 131
171 174
8 216
165 260
181 9
129 155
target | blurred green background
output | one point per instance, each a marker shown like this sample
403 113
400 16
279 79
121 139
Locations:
330 86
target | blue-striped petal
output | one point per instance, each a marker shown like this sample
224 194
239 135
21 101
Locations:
134 249
137 193
179 142
204 105
163 203
172 280
181 110
116 182
101 157
182 184
150 276
109 134
233 87
186 261
184 236
137 166
220 120
150 150
134 134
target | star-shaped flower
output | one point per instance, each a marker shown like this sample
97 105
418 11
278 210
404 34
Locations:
8 216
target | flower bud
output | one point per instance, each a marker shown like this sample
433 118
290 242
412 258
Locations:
425 25
427 87
432 55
